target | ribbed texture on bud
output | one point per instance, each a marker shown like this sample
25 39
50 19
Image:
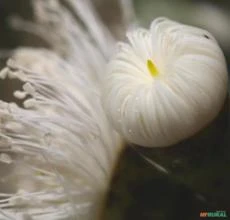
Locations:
165 83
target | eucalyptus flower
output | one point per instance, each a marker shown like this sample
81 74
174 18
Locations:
59 150
165 84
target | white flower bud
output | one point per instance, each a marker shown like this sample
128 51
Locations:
165 84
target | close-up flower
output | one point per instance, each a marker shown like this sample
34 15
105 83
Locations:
59 148
91 85
165 84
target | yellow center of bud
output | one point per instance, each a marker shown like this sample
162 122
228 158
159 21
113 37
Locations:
152 68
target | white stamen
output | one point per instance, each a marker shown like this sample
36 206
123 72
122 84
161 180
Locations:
3 73
5 158
20 94
179 77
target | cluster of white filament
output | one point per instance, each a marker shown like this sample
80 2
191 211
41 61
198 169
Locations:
60 150
165 84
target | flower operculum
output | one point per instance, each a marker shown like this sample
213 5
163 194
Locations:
152 68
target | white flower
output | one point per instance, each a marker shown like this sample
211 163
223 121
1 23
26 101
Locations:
61 149
165 84
57 154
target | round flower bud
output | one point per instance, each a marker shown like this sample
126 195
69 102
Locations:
165 84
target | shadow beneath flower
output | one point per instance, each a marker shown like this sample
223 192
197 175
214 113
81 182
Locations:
196 180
